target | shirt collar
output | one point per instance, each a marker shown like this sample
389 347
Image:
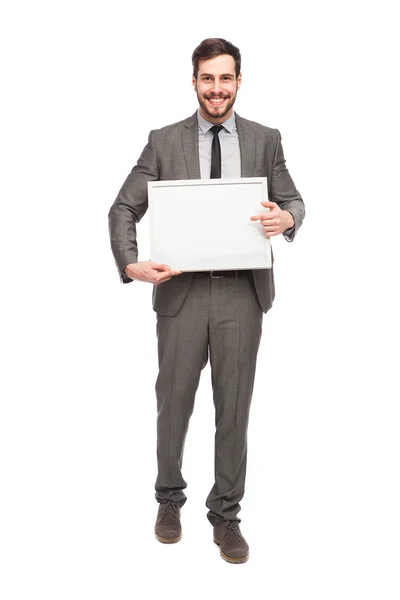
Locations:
229 124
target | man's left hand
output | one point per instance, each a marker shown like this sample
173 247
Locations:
275 221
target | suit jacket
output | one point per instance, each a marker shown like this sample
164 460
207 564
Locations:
173 153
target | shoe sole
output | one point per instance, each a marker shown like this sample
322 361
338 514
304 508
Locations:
232 559
164 540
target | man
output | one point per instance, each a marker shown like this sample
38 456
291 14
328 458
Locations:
216 314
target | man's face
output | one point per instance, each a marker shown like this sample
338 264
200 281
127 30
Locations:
216 87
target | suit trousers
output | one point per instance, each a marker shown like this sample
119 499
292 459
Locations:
220 319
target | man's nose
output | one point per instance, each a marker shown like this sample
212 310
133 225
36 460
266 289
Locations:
216 86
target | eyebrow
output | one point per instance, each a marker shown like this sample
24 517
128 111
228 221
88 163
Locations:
223 75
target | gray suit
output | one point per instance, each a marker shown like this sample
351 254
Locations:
199 316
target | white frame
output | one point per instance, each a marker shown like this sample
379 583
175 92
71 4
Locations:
184 236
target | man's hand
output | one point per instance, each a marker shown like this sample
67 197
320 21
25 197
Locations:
150 271
275 221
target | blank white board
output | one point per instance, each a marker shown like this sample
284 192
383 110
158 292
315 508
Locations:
204 224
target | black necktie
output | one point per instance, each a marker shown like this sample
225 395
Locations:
216 153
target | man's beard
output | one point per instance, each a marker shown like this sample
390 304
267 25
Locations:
214 113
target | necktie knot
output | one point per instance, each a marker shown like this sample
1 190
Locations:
216 129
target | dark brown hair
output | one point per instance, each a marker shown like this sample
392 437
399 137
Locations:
212 47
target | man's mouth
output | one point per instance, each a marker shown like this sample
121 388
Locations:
217 101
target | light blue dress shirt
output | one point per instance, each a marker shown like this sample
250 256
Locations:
230 150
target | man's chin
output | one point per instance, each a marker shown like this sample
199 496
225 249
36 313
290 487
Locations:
217 112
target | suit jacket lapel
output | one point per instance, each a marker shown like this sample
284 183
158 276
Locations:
247 148
190 145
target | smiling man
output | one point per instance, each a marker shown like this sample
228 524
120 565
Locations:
217 83
214 315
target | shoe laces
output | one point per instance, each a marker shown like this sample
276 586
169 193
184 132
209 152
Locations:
169 508
234 526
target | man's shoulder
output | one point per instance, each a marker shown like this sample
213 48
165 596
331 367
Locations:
255 127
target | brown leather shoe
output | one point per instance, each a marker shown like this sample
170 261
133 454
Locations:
168 528
233 546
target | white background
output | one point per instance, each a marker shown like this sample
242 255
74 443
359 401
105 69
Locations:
83 83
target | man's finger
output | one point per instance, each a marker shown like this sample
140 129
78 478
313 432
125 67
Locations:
162 281
163 276
262 217
269 204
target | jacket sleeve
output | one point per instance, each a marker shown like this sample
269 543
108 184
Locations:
284 192
129 207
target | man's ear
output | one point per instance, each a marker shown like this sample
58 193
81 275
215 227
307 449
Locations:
194 82
239 80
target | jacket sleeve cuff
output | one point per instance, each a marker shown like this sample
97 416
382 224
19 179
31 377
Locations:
289 234
123 276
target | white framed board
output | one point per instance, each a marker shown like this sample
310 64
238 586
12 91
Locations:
204 224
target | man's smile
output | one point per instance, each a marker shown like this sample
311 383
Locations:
217 101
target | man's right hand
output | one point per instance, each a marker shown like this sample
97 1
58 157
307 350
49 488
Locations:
149 271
